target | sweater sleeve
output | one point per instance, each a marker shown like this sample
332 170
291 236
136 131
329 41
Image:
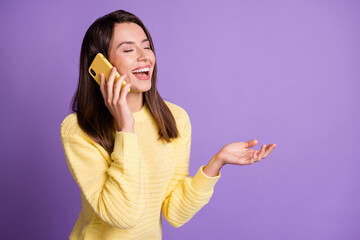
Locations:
185 195
114 190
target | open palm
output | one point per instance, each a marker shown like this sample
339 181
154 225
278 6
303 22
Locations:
238 153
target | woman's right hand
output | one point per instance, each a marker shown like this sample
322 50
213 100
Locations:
115 101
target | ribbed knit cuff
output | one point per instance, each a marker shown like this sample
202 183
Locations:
202 182
125 146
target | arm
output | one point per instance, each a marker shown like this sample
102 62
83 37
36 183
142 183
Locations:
115 191
186 195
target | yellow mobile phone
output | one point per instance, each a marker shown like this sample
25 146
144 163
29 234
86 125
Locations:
101 65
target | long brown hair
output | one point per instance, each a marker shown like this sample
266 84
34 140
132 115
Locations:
88 103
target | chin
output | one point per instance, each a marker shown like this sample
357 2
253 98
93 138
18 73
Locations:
141 89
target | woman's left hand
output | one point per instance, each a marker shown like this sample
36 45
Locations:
237 153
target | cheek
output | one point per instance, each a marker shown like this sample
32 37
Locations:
153 58
123 64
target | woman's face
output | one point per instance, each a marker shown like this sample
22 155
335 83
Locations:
130 50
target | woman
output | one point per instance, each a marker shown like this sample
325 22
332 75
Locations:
129 151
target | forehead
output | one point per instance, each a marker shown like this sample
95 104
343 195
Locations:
128 32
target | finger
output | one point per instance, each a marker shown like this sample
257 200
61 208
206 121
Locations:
251 143
261 153
110 85
254 157
102 87
124 92
269 149
251 157
117 88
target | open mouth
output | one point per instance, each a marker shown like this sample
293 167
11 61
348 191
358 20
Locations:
141 72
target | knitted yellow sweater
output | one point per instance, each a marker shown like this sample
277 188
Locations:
123 193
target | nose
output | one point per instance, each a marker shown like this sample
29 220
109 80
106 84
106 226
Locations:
143 55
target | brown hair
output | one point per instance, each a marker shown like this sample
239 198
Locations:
92 114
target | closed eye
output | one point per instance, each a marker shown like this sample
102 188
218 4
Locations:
132 50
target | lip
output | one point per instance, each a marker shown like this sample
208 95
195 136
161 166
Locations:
141 67
144 78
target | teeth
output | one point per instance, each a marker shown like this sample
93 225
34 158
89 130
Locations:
141 70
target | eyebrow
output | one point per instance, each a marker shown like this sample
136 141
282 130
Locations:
132 42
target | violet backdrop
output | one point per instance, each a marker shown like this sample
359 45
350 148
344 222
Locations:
284 72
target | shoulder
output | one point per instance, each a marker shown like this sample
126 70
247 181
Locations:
70 126
181 116
177 111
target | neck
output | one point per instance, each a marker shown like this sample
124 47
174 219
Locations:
135 101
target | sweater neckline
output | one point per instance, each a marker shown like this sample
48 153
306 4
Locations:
143 114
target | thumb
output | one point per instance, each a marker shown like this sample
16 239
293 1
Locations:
251 143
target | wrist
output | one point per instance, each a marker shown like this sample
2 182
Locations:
124 129
127 130
214 166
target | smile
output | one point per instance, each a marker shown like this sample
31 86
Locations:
142 73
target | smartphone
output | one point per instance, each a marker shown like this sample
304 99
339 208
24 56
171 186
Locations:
101 65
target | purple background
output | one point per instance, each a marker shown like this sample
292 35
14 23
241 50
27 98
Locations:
285 72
